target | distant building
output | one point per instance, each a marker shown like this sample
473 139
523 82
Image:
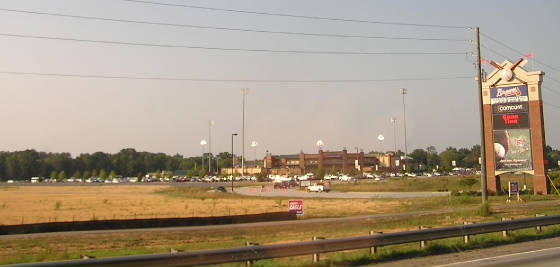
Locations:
302 163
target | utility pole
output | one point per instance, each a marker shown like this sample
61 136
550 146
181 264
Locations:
480 104
244 92
403 92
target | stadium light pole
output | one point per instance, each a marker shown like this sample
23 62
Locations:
394 122
403 92
210 124
202 144
244 92
232 160
254 145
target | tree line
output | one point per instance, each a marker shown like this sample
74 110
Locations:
465 157
131 163
127 162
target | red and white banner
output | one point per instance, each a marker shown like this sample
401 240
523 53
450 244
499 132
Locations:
295 206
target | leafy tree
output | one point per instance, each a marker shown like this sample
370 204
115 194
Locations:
103 174
447 157
333 170
202 172
158 174
320 173
94 173
86 174
54 175
168 174
420 155
61 175
77 175
112 174
190 173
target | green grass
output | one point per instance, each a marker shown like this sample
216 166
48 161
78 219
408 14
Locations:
35 249
427 184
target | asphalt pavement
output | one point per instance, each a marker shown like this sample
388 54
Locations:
539 253
270 191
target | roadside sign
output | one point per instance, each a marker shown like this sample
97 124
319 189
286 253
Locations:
513 188
295 206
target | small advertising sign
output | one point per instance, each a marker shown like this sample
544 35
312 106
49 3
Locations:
512 150
513 188
296 206
511 94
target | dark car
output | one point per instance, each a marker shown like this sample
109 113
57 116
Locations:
221 189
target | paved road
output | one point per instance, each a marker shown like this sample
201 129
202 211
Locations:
537 258
269 191
540 253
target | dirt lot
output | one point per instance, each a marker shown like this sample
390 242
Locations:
33 204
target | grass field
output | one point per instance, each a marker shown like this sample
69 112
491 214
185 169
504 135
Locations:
60 246
34 204
415 184
29 204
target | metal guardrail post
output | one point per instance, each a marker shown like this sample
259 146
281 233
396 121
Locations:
315 257
250 262
539 228
505 232
466 238
373 250
423 242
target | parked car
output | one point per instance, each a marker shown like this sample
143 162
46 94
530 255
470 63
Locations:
319 187
221 189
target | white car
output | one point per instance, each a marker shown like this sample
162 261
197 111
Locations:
369 175
320 187
345 178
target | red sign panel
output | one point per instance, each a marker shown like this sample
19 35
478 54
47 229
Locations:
295 206
511 121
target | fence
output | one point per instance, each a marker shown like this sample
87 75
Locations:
256 252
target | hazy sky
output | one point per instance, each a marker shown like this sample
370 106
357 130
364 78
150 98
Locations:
66 114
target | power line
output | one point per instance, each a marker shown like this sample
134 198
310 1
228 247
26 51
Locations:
499 54
231 29
226 48
298 16
69 75
518 52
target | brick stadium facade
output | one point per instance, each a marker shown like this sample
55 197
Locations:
298 164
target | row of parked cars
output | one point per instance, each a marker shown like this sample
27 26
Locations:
120 180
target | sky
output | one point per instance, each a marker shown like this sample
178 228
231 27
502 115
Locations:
85 115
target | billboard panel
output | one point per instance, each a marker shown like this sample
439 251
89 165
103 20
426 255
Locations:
512 150
509 108
510 121
511 94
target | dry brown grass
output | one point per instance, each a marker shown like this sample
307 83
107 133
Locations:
35 204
